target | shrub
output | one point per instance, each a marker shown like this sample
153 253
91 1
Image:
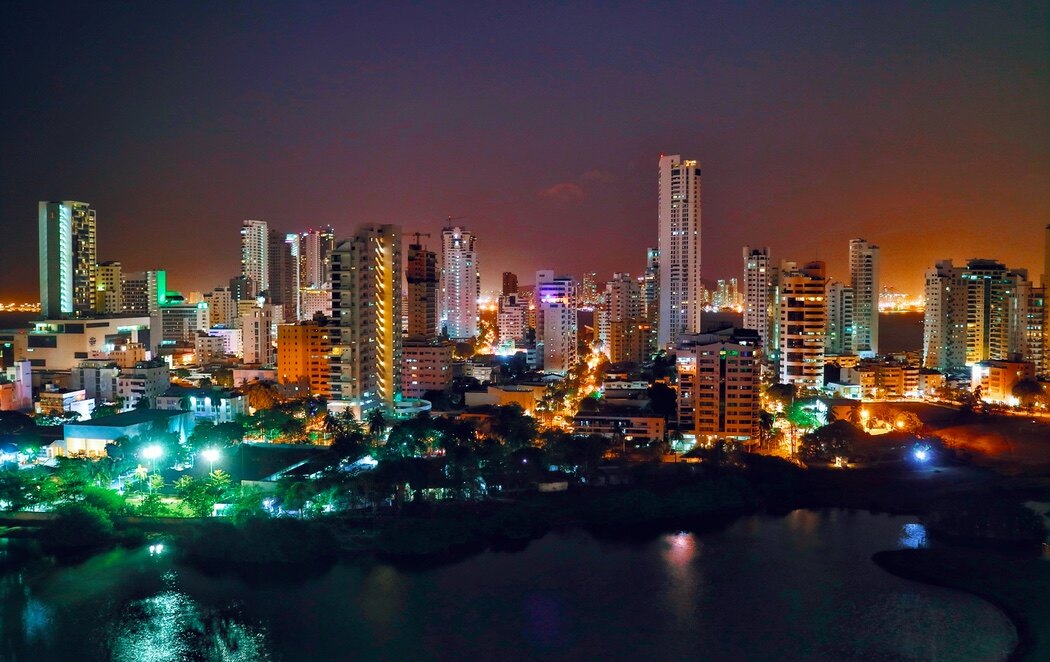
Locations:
985 516
78 526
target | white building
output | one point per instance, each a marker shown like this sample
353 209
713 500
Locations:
213 404
67 258
864 279
257 336
147 379
679 243
57 344
557 321
98 378
460 283
177 323
758 281
16 387
255 254
512 318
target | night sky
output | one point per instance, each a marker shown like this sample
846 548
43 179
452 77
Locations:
926 130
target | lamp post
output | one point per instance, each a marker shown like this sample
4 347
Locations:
151 453
211 455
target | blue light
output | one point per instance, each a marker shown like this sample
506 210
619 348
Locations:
921 454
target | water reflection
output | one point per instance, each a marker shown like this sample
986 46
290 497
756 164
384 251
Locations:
913 536
679 553
172 626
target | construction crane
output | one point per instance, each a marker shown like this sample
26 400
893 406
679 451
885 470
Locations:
417 235
449 219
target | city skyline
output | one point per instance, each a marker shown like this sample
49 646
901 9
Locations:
920 129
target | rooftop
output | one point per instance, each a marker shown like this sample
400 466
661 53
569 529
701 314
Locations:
129 418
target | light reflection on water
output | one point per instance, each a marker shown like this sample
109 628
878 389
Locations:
172 626
913 536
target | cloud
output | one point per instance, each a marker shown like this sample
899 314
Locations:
598 175
563 192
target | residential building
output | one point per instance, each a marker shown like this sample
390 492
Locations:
718 387
758 283
460 283
426 365
148 379
58 401
864 280
222 308
557 321
840 331
944 321
679 235
97 378
631 341
802 323
257 335
510 284
282 265
997 378
208 348
651 287
217 405
255 255
177 323
617 423
512 319
16 387
422 278
366 304
68 258
144 291
109 286
303 356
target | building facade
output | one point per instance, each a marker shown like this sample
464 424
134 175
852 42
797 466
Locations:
802 322
460 283
864 280
679 244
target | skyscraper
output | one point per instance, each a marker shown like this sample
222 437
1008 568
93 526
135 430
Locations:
255 255
422 278
944 322
67 258
557 324
679 243
282 265
366 304
802 319
109 282
651 287
143 292
460 283
757 284
840 332
864 279
510 283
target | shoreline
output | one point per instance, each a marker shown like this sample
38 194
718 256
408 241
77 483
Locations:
966 570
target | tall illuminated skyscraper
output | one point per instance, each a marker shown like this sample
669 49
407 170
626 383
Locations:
864 279
366 305
757 287
460 283
68 258
255 254
679 224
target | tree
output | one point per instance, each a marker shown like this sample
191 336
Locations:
830 441
78 525
663 400
104 410
781 394
513 427
261 394
1028 392
376 423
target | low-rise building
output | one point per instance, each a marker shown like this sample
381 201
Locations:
63 400
62 344
90 438
631 424
718 386
303 356
525 396
98 378
214 404
997 379
148 379
16 387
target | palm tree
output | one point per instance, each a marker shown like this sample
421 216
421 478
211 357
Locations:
376 423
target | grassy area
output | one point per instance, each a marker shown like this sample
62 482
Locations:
1019 586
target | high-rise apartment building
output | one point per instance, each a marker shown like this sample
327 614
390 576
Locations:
651 287
864 279
257 335
630 341
757 290
366 304
557 310
510 284
222 308
315 246
802 321
255 255
68 258
460 283
282 264
109 287
840 332
144 291
177 323
512 319
679 243
718 387
944 322
304 355
995 310
423 281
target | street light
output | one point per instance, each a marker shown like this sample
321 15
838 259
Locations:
211 455
151 453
